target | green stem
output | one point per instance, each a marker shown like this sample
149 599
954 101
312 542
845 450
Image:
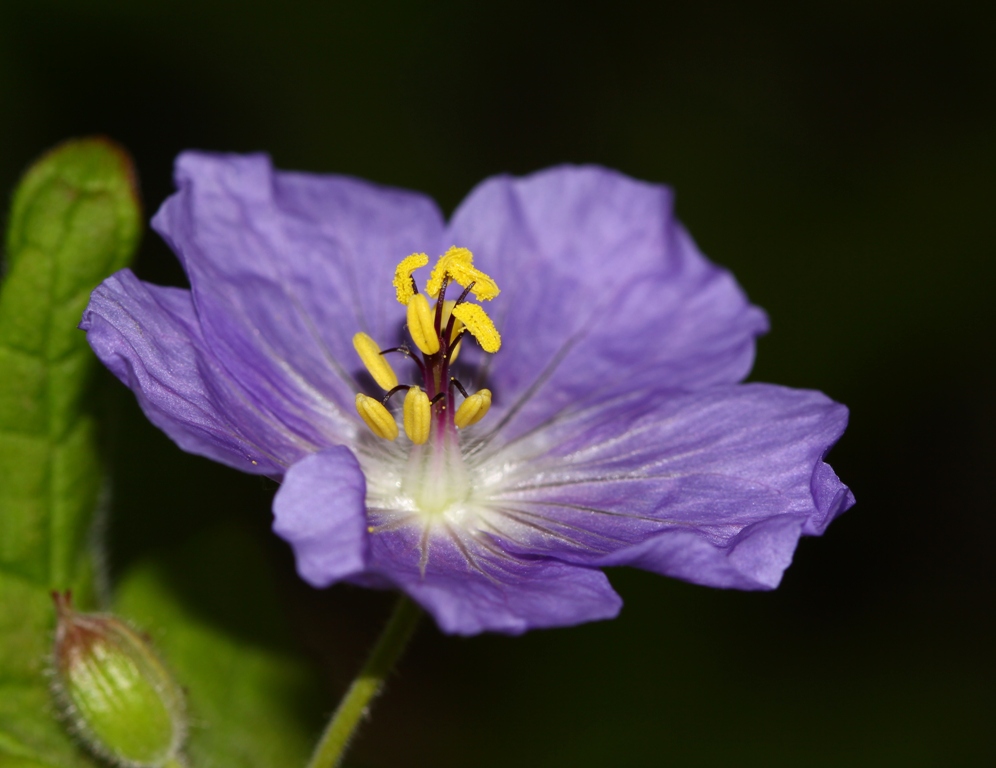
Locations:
354 705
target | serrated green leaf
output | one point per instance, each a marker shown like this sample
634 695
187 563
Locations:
75 219
212 611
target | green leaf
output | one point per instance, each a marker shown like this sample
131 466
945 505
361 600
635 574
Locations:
75 219
211 608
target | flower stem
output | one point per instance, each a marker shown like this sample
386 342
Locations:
354 705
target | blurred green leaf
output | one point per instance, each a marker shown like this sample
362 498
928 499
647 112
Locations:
75 219
211 608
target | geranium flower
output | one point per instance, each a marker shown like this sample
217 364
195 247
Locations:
600 353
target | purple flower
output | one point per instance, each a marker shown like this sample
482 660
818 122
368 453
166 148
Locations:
617 432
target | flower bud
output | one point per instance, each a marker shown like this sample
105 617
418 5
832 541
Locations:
116 692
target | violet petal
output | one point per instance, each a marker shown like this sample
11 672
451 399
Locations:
469 589
714 486
149 337
319 511
602 288
286 267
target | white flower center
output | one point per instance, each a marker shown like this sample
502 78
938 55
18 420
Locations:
425 486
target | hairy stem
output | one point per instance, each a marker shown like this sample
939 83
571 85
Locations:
354 705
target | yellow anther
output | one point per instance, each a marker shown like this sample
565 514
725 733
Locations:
479 325
403 275
458 264
377 417
473 409
421 324
457 327
375 362
418 415
454 258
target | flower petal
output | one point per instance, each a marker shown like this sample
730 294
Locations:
149 337
469 590
754 559
319 511
602 288
713 487
286 267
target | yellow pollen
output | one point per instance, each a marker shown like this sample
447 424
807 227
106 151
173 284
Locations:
473 409
458 264
479 325
403 275
418 415
421 324
375 362
377 417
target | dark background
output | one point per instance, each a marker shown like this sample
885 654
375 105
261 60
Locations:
839 158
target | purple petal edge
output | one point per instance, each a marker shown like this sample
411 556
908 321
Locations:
713 486
319 510
149 338
486 593
756 559
598 276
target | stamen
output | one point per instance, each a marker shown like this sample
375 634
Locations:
377 417
440 304
455 349
455 325
463 294
393 392
458 265
479 325
473 409
421 325
403 282
376 364
436 336
417 415
407 352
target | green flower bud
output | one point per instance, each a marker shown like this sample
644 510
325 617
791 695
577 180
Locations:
116 692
